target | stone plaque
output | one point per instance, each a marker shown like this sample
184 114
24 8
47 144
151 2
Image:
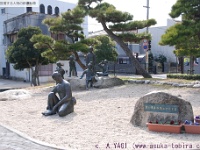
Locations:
164 108
161 107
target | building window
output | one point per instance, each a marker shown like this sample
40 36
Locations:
4 41
28 9
57 11
49 9
46 70
123 60
59 36
3 11
12 38
42 9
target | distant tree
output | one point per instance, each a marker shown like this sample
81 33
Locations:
23 54
106 49
161 59
62 49
120 28
151 62
55 49
185 36
70 24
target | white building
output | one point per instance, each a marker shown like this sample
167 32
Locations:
9 25
157 49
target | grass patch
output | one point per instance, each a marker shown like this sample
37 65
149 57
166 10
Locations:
42 85
158 79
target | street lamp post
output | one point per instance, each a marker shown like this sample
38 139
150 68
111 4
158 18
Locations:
147 31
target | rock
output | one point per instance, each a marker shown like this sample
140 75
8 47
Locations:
77 84
196 86
157 106
139 81
105 82
152 82
131 81
175 84
182 85
168 83
14 95
190 85
101 82
147 81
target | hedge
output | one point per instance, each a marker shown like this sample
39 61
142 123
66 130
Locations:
184 76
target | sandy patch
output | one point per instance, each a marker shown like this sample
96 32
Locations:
101 118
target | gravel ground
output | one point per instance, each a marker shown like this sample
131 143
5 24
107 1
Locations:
101 119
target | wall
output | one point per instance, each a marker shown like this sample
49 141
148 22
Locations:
25 20
157 49
132 46
9 13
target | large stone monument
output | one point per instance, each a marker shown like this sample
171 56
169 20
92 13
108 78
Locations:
101 82
161 107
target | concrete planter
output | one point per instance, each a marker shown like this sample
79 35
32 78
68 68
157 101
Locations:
164 128
193 129
197 120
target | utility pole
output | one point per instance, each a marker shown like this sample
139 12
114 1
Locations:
147 31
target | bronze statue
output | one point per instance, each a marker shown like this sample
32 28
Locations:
60 69
64 104
90 76
72 66
90 58
104 66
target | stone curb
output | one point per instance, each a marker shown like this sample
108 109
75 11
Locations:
34 140
195 84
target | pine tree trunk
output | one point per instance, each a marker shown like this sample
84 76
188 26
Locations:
37 73
128 52
79 61
181 64
191 64
33 77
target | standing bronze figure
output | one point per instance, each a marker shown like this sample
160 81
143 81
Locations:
59 69
72 66
90 76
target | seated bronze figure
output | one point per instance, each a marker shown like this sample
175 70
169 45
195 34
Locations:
64 104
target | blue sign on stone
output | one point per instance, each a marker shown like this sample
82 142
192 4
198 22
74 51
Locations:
165 108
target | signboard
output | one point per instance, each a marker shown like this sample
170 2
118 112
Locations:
145 47
145 44
165 108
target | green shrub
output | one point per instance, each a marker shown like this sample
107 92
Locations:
184 76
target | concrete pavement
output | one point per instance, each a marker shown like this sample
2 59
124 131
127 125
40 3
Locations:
12 84
14 140
11 139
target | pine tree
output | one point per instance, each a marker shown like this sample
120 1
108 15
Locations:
121 28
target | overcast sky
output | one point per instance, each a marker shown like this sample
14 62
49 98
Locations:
159 10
